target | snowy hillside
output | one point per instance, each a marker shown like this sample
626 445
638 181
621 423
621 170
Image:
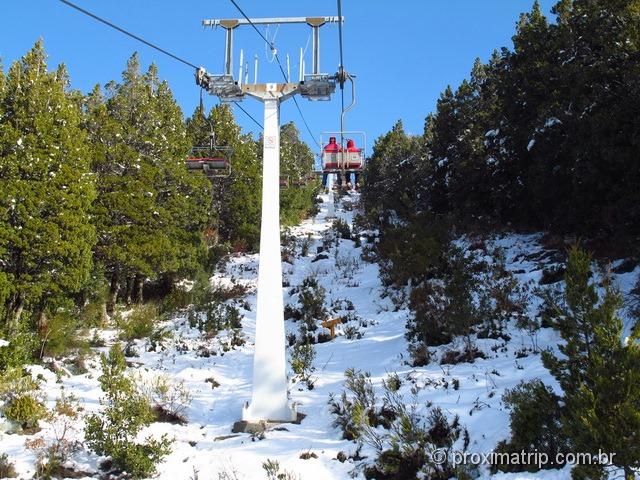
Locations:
205 447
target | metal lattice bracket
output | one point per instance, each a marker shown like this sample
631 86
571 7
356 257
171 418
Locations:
318 87
223 86
313 86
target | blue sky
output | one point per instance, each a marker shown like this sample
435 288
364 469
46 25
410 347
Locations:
404 53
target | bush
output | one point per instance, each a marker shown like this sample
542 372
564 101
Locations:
597 370
406 440
139 323
311 299
126 412
634 304
305 245
290 312
16 382
7 469
412 441
501 298
61 334
302 356
52 454
342 229
215 317
534 416
169 400
445 308
272 470
25 410
20 350
177 299
357 402
467 355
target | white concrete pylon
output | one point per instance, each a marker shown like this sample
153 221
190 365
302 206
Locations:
269 397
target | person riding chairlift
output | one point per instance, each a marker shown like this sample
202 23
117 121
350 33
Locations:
333 147
351 147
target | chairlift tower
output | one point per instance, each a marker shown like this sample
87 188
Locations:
269 399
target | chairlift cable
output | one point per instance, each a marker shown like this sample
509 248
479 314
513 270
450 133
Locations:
129 34
277 57
149 44
341 72
237 104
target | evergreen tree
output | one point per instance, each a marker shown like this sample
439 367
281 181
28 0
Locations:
598 372
149 212
296 164
5 285
45 192
390 180
237 199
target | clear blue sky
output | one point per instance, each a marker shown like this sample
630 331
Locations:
403 52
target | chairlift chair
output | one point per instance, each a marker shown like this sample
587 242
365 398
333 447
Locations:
343 152
214 160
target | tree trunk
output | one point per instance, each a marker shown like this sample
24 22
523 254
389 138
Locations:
43 330
138 284
104 315
129 296
14 312
112 297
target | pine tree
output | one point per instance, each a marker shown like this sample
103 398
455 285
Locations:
237 199
150 212
296 164
390 180
46 191
598 372
5 285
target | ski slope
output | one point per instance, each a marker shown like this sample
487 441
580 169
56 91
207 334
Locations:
205 448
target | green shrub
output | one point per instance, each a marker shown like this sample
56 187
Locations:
357 402
305 245
273 472
302 356
215 317
445 308
597 370
311 299
169 400
20 351
177 299
342 229
393 382
406 440
25 410
62 334
53 453
16 382
126 412
534 416
7 469
139 323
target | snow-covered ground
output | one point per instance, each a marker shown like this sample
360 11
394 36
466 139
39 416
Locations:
205 448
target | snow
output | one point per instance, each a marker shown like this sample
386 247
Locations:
442 162
531 144
552 121
206 445
492 133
